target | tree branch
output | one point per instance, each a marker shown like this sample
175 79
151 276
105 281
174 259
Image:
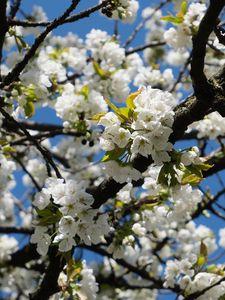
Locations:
14 74
14 8
3 27
81 15
200 83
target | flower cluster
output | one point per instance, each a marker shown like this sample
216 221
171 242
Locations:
187 21
68 207
144 128
212 126
6 184
73 106
8 246
125 10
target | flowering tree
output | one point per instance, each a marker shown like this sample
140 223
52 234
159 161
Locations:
141 128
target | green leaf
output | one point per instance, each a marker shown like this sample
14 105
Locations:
215 270
204 167
172 19
192 179
203 254
29 109
167 175
131 98
8 149
49 215
20 43
121 113
98 116
114 154
84 91
184 7
124 112
192 175
210 268
102 73
201 261
111 105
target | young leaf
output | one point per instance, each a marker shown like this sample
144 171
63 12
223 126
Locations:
102 73
204 167
98 116
113 155
84 91
203 255
184 7
172 19
131 98
29 109
123 115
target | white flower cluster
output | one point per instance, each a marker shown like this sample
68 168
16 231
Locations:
183 273
88 284
183 199
204 280
75 216
212 126
153 77
71 105
8 245
16 280
121 173
107 73
124 10
182 202
7 182
147 132
180 38
176 268
38 170
191 157
84 281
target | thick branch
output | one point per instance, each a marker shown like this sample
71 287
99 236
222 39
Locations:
200 293
200 84
3 26
18 230
49 284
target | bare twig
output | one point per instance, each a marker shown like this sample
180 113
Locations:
142 24
143 47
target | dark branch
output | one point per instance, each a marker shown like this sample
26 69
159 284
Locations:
19 230
14 8
14 74
143 47
201 85
3 27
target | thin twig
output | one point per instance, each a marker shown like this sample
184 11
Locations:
142 24
143 47
45 153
